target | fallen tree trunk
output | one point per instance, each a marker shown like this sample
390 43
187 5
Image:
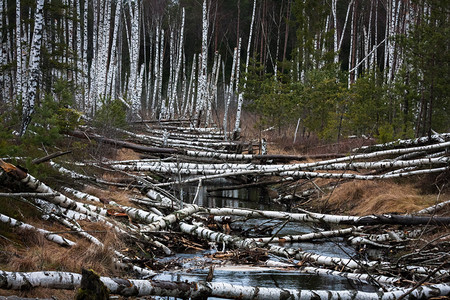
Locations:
334 219
134 287
369 278
405 143
47 234
50 156
248 243
56 197
139 148
145 273
434 208
307 236
166 221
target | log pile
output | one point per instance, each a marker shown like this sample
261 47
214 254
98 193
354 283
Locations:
162 214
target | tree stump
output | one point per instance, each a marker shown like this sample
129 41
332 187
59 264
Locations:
91 288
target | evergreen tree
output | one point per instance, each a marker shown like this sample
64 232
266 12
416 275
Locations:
427 52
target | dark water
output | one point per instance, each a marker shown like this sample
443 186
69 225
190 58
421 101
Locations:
193 264
254 198
271 278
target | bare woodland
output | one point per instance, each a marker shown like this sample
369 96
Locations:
123 122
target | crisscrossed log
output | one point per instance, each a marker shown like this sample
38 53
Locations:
133 287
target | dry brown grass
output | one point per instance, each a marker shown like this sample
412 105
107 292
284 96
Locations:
117 195
41 293
377 197
121 197
35 253
126 154
109 176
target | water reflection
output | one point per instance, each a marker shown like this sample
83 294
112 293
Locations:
254 198
257 198
271 278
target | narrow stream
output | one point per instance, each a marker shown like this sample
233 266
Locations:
193 264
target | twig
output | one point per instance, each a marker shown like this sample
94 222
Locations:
418 284
273 236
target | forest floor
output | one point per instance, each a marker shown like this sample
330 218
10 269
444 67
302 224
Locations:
355 197
25 250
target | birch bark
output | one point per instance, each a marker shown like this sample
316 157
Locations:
202 89
33 68
2 55
229 94
134 287
19 72
134 44
237 125
47 234
113 60
178 63
156 70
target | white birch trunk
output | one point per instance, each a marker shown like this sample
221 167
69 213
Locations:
434 208
69 40
166 221
405 143
104 47
388 28
60 199
237 125
298 254
229 94
87 105
375 54
307 236
202 78
345 25
124 266
391 49
368 38
19 52
156 70
134 287
81 195
352 41
191 89
166 112
33 68
134 44
9 90
2 56
92 101
150 74
47 234
178 64
335 33
79 63
110 90
160 72
369 278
